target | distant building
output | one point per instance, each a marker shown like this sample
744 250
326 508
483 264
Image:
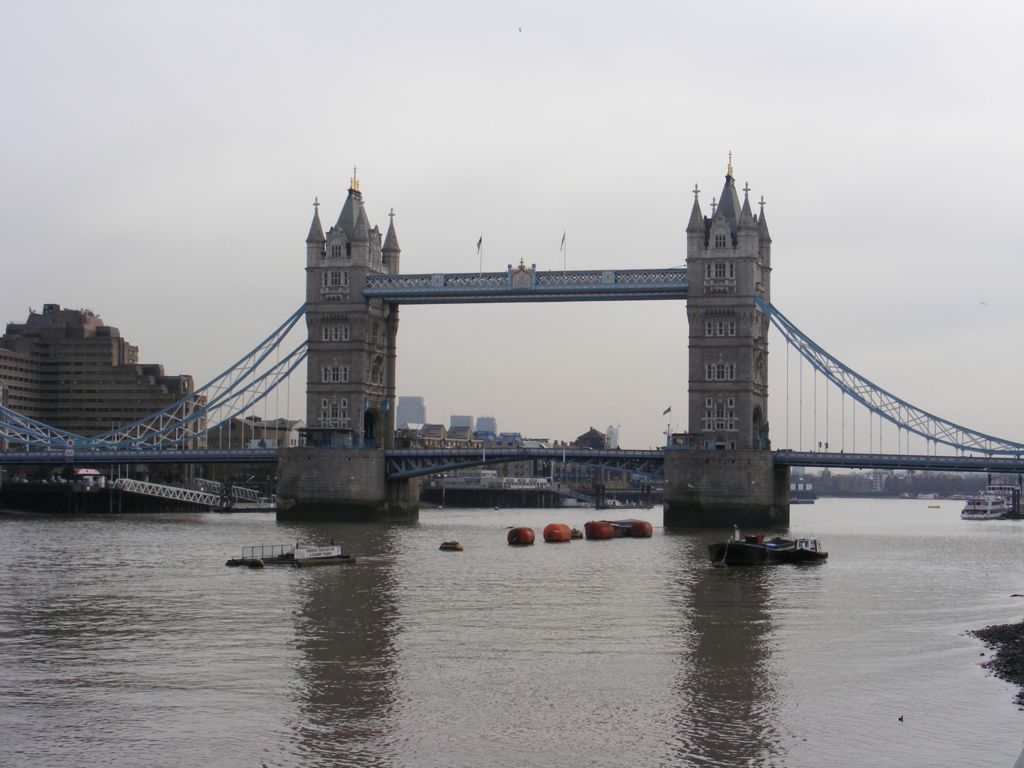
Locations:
487 424
435 436
254 432
613 437
67 369
411 410
591 439
461 421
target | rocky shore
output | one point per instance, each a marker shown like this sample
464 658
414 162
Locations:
1007 663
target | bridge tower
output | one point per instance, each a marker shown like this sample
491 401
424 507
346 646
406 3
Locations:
721 471
350 377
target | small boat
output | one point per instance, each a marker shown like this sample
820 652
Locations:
298 556
450 546
575 533
987 505
756 550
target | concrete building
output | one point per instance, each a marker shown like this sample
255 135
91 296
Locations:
487 425
461 421
254 432
66 368
411 410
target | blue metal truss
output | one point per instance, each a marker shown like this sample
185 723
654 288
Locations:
523 284
889 407
415 462
241 386
991 464
184 423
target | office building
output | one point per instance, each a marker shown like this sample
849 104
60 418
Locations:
68 369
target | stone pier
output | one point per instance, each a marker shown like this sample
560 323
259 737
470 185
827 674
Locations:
719 489
342 484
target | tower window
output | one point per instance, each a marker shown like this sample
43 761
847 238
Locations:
334 374
720 372
719 241
334 333
336 251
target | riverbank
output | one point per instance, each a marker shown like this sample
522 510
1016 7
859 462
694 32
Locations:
1007 640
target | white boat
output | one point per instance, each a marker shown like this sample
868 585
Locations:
987 505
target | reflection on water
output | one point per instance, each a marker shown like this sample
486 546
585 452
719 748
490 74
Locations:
125 641
727 689
344 621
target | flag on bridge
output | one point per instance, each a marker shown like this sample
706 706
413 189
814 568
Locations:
479 243
667 411
562 246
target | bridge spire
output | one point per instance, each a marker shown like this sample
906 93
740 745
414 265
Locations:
352 220
316 230
696 223
762 223
747 220
391 238
729 202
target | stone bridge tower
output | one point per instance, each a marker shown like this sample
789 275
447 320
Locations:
728 259
350 370
722 471
350 378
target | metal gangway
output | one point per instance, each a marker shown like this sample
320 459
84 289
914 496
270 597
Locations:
239 492
250 500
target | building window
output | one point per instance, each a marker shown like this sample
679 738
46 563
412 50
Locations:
720 371
720 328
334 374
334 413
719 416
719 241
334 333
336 251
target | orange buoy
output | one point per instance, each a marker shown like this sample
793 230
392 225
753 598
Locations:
557 532
641 529
599 529
520 536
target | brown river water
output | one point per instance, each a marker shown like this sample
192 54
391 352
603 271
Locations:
125 641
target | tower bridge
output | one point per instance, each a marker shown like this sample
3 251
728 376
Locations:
722 470
354 288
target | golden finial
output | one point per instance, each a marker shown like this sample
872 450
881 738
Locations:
728 171
354 183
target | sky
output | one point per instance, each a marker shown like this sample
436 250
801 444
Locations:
159 161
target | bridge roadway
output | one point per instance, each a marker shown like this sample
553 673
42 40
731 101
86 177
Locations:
416 462
527 284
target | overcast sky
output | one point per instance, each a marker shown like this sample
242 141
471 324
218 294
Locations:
158 164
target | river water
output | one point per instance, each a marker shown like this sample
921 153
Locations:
125 641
